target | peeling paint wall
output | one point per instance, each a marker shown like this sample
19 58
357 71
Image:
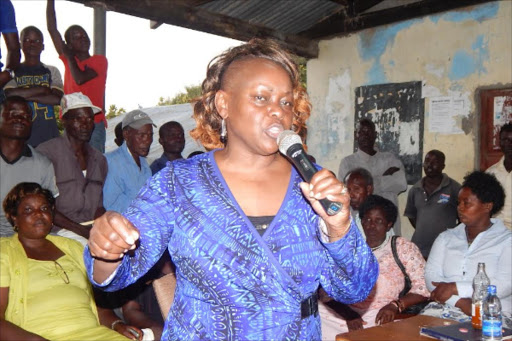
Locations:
452 53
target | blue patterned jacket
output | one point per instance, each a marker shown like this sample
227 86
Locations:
232 283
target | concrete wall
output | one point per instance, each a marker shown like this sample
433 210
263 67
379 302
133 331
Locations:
453 53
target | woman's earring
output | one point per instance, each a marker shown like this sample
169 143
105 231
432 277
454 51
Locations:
223 132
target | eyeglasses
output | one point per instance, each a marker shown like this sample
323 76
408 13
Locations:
61 272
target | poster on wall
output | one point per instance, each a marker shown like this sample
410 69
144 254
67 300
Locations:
495 110
502 114
444 114
397 109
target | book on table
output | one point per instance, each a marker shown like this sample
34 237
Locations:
459 332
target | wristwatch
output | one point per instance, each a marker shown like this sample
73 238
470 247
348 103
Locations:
11 72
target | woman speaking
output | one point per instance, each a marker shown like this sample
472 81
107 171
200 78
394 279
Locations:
250 241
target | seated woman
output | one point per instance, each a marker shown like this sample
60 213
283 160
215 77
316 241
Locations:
44 290
378 216
455 254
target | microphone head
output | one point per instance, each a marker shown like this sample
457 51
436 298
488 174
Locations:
286 139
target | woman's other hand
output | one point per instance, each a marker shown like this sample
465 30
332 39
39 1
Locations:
325 185
355 324
111 236
386 314
443 291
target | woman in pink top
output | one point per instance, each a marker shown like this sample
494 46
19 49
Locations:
384 302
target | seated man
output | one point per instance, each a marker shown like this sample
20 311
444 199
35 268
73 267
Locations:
359 183
39 84
128 169
141 307
118 132
172 139
19 162
80 169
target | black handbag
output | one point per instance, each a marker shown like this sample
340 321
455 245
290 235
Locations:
414 309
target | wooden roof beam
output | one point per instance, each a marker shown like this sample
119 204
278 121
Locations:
174 13
339 24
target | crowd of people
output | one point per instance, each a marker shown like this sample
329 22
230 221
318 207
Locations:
254 253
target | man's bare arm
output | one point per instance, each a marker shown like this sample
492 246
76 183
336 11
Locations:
12 41
51 24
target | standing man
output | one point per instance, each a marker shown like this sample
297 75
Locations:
502 170
387 170
19 162
172 139
360 185
432 203
80 169
9 31
39 84
83 72
127 165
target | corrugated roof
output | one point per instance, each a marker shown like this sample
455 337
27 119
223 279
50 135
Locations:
297 25
290 17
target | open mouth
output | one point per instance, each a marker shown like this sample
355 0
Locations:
274 130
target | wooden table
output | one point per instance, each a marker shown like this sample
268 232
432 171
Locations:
403 330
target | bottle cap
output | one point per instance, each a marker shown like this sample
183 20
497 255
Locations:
491 289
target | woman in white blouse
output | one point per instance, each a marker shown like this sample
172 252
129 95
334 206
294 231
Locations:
455 255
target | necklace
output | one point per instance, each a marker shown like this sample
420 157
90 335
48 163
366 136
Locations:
471 240
382 244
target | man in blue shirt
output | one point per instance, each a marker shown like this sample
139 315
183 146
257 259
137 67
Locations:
128 169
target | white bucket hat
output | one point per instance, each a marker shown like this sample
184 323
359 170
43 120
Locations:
77 100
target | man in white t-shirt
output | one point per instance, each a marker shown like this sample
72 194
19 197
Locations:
387 170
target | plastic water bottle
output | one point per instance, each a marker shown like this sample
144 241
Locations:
491 317
480 284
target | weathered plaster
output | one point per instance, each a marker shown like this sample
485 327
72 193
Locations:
453 53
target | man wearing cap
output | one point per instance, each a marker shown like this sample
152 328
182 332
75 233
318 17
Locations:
128 168
80 169
19 162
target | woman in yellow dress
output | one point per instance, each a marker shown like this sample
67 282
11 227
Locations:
44 290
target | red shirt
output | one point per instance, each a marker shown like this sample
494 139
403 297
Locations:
95 88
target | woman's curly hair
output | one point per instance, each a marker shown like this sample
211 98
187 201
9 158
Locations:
208 120
18 193
376 201
486 188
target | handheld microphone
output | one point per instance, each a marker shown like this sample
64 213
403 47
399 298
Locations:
290 145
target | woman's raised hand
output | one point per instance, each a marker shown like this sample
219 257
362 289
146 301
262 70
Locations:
111 236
